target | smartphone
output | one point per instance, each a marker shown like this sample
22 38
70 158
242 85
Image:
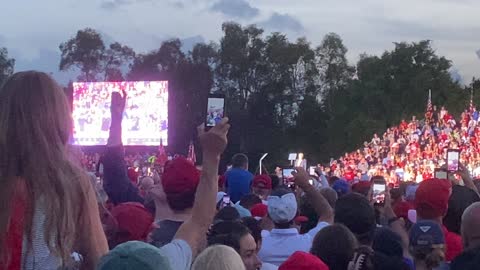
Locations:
379 190
453 157
287 173
311 170
225 201
441 174
215 110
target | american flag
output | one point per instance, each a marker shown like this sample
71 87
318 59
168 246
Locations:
191 153
471 101
429 112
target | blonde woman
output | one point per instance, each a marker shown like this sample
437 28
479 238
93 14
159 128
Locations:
218 257
48 208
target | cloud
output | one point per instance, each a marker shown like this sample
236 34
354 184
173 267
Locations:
419 30
455 75
283 22
478 53
235 8
177 4
189 42
114 4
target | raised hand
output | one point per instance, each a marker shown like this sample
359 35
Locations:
215 140
118 102
301 177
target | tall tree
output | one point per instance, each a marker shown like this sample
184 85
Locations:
6 65
84 51
240 73
116 58
333 67
87 52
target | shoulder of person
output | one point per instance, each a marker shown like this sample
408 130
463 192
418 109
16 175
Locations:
179 254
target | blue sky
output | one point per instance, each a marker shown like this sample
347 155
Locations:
32 30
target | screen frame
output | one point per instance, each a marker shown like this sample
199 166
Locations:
449 156
78 89
213 96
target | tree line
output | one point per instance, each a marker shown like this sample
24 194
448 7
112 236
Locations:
282 96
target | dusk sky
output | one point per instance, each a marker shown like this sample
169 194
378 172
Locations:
32 30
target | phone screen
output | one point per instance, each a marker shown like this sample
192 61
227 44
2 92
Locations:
226 199
287 173
379 192
215 111
441 174
452 160
312 170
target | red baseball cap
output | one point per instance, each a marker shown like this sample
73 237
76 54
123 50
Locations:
262 181
401 209
431 198
303 261
362 187
259 210
132 175
133 218
180 176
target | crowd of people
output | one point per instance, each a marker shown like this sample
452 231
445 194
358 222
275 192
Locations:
54 215
411 151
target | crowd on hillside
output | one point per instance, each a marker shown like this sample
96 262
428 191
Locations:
54 215
412 150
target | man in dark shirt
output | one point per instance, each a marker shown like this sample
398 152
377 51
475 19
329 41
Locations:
179 183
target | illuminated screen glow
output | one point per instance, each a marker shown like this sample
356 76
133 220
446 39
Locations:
145 120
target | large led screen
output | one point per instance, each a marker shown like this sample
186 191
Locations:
145 119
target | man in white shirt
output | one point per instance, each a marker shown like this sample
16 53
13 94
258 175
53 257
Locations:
284 240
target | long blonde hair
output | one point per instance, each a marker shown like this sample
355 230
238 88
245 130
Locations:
35 125
218 257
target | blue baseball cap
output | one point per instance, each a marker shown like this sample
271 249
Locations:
426 234
341 187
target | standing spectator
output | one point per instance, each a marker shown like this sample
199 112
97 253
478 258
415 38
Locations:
48 206
303 261
427 245
236 235
335 246
218 257
179 183
262 186
132 223
284 240
431 203
355 212
470 258
238 179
